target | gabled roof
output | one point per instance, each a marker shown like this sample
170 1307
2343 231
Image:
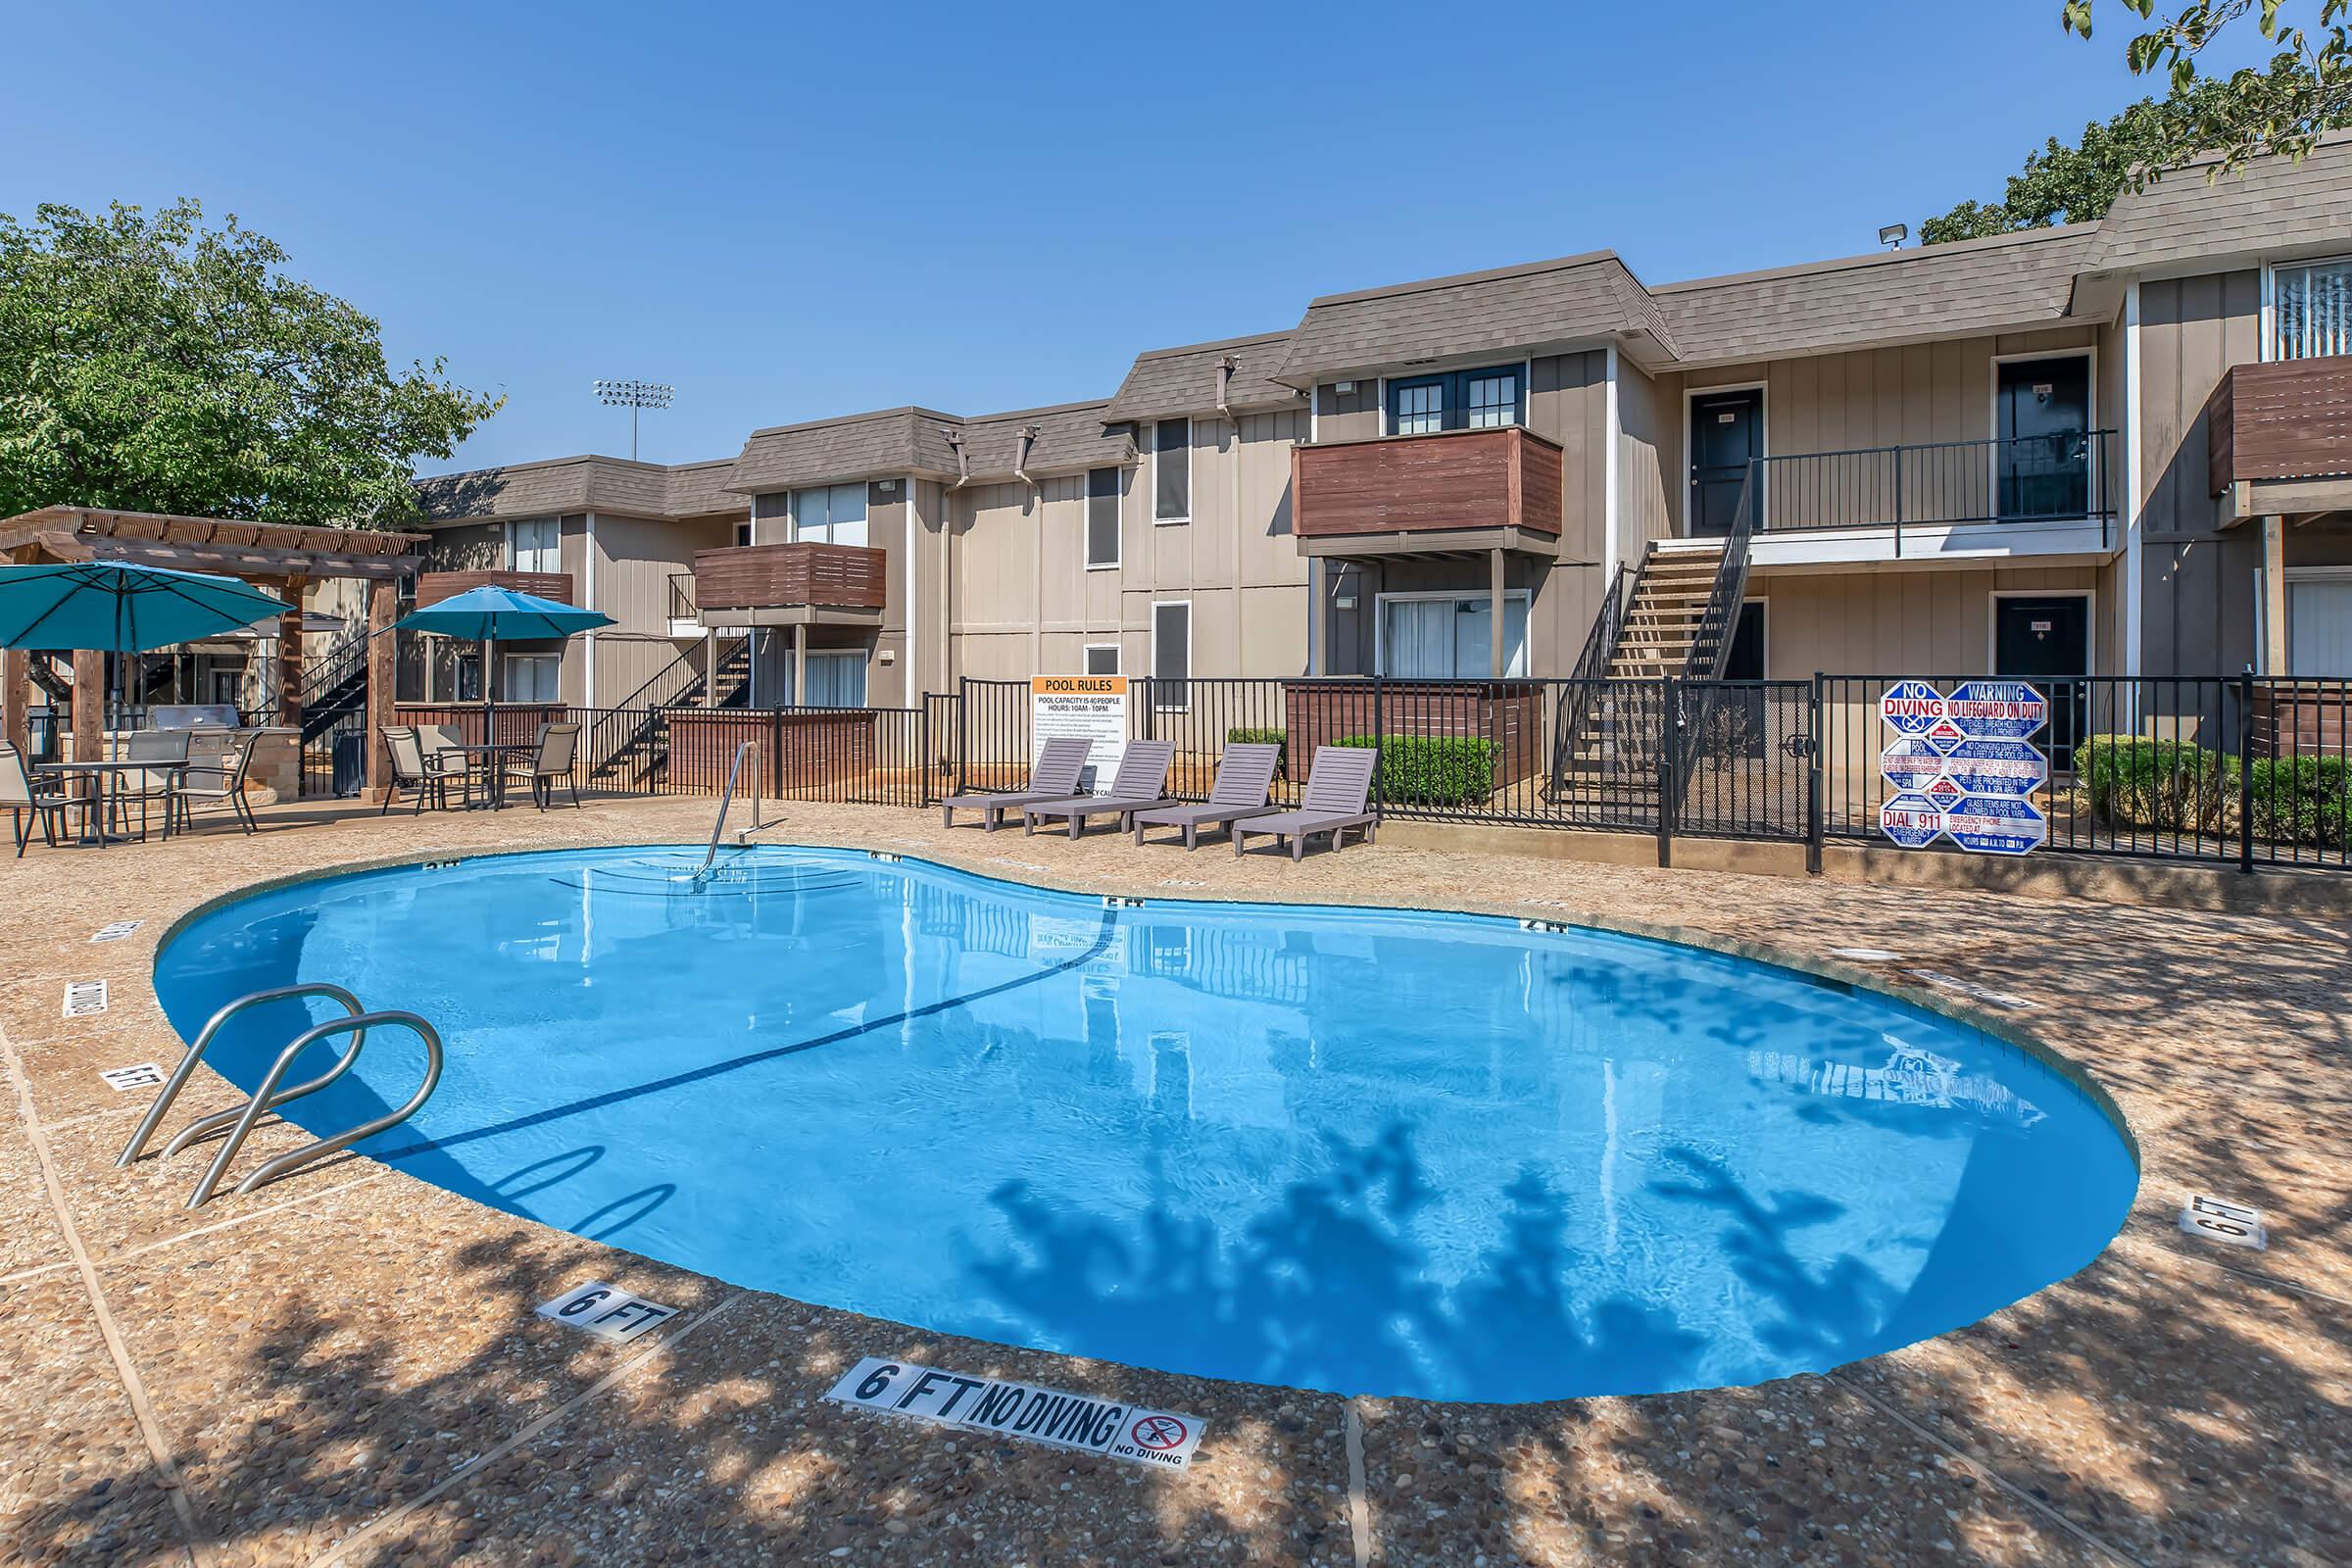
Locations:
884 444
2190 214
553 486
1165 382
1070 437
1510 309
1970 286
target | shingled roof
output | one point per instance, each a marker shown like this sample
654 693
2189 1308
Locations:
587 483
858 445
1163 382
2191 214
1070 438
1574 299
1984 285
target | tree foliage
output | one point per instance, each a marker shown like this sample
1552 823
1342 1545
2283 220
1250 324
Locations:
2281 113
2077 183
151 364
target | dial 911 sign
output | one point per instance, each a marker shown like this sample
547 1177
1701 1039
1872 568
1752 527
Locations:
1963 767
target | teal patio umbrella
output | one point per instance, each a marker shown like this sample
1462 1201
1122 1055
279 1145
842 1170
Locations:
121 607
488 614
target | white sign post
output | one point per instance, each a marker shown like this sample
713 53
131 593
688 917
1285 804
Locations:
1964 768
1091 707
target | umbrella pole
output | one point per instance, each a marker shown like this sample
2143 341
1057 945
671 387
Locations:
489 665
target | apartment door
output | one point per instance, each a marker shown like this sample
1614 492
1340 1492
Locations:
1727 433
2042 461
2047 641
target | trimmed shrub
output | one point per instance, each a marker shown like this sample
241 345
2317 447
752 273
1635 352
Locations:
2172 786
2302 800
1430 769
1249 735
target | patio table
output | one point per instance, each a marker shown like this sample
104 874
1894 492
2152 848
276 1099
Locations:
93 801
494 780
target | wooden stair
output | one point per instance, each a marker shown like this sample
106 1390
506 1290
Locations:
1670 599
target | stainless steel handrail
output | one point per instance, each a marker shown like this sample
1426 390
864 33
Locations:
725 800
267 1095
204 1039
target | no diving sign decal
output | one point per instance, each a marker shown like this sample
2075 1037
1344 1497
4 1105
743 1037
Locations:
1161 1438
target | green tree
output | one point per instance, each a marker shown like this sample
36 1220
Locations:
151 364
2075 184
2276 113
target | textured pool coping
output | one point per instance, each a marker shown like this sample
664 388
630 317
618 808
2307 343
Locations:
344 1366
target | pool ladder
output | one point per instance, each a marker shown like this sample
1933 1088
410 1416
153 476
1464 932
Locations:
726 799
356 1023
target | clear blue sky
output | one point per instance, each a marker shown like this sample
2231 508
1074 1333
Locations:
799 211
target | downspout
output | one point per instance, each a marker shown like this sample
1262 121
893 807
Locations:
588 602
1037 553
947 558
1226 367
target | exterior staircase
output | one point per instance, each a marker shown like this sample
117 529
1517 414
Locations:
1662 617
631 741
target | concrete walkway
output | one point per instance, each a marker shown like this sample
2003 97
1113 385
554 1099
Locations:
345 1368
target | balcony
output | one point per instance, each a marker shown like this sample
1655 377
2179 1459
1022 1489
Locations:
2278 438
2039 497
802 584
1449 492
434 586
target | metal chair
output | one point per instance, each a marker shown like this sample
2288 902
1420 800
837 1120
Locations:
214 784
167 750
426 777
21 801
549 764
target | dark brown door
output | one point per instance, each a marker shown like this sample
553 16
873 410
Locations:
1727 434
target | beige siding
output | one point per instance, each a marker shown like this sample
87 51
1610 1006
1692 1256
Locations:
1649 461
1910 623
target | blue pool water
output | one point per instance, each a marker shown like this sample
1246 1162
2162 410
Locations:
1363 1150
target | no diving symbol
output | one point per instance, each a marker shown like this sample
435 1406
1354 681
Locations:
1161 1432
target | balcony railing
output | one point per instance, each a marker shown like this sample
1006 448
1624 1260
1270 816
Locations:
434 586
1445 482
2040 478
2290 420
791 576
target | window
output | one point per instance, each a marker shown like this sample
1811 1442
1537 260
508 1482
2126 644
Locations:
528 677
532 545
834 515
1172 470
1450 637
1460 400
2312 311
1101 659
743 533
836 680
771 520
1172 653
1102 517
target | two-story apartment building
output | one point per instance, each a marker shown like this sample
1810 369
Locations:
2118 447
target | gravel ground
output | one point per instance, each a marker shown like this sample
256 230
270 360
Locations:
345 1368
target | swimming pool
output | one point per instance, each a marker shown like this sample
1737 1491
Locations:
1366 1151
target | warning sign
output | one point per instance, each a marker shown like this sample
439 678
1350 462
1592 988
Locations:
1962 766
1995 824
1108 1427
1911 707
1997 710
1091 708
1997 768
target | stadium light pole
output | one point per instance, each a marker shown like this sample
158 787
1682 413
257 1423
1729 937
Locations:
633 396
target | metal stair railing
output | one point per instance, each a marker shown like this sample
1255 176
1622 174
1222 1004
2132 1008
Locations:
1575 705
636 721
1711 645
356 1022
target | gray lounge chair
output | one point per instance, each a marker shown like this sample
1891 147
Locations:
1244 780
1336 791
1059 768
1143 775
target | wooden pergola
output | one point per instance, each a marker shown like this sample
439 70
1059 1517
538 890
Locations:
284 557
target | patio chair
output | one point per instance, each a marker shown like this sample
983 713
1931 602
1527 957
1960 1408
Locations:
424 777
1244 784
1142 776
549 764
26 805
1055 777
168 749
1336 788
220 780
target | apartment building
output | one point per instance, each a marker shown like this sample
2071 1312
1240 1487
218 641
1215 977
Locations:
2122 447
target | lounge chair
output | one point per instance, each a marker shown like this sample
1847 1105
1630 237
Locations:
1143 775
1336 791
217 783
547 765
1056 776
21 801
1244 781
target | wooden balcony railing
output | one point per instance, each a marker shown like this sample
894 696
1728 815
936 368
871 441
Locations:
786 577
2287 419
434 586
1445 482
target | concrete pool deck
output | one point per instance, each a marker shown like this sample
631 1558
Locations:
344 1367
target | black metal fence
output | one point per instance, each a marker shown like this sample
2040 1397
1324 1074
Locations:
2219 770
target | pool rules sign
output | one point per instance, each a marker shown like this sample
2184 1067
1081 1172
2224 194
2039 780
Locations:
1089 707
1162 1439
1962 765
